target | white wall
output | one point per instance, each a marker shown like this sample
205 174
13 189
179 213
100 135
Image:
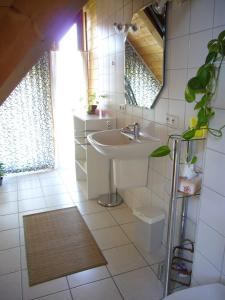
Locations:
190 26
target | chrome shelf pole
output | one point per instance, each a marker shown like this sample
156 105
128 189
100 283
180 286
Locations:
172 212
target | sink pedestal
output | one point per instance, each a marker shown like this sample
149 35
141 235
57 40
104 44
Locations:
111 199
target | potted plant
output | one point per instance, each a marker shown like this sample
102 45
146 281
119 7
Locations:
2 172
91 103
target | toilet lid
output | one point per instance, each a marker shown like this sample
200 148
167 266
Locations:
214 291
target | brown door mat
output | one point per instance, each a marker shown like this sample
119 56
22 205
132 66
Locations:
59 243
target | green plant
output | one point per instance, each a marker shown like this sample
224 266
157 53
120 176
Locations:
91 99
201 90
2 169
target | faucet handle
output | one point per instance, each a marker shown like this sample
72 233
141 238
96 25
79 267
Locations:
136 129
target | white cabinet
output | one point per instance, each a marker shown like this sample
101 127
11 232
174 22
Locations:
92 168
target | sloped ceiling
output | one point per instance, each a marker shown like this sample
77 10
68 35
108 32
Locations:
148 43
27 29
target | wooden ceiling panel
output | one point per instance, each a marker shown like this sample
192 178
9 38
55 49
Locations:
6 3
28 27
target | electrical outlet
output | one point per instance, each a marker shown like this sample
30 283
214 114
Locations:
123 107
172 120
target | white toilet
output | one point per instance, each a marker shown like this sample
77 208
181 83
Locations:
215 291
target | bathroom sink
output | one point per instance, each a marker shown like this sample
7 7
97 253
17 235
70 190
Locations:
116 144
214 291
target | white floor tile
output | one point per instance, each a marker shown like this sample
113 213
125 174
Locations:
129 229
10 286
53 189
22 239
78 196
58 296
9 261
110 237
58 199
9 239
23 258
123 216
153 257
31 204
8 208
88 207
29 193
8 197
9 222
101 290
88 276
99 220
123 259
42 289
28 185
10 187
50 181
140 284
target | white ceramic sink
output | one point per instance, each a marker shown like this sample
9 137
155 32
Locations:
115 144
215 291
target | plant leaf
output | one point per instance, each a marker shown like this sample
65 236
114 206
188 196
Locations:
221 36
213 45
189 134
161 151
204 74
193 160
203 101
211 57
203 118
196 85
189 95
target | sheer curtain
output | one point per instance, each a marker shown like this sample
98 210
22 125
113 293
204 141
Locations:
26 123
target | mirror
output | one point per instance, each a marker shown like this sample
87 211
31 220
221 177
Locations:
145 56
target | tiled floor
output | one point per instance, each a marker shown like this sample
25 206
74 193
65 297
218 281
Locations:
128 274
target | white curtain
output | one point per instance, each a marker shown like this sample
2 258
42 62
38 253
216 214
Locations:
26 123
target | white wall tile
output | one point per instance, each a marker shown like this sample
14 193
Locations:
161 110
178 52
214 250
137 4
177 80
203 271
212 210
217 122
219 17
214 171
198 48
177 108
219 100
178 19
201 15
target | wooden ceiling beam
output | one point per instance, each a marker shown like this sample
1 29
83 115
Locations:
27 29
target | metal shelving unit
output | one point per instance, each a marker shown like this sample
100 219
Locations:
179 251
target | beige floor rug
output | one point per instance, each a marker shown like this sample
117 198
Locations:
59 243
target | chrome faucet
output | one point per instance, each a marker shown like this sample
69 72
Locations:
133 129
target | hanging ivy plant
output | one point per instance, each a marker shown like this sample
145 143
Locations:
203 86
